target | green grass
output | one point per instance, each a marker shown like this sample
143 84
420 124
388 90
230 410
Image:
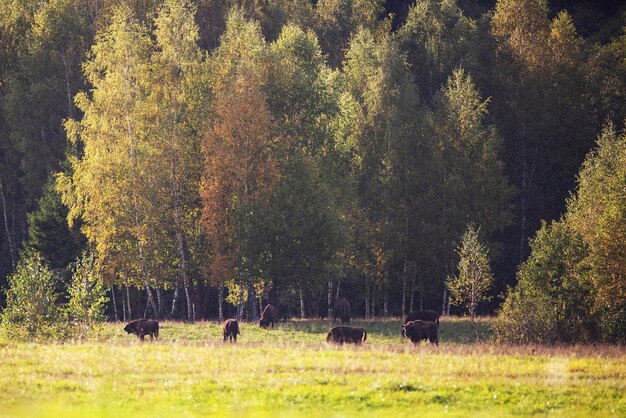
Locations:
291 371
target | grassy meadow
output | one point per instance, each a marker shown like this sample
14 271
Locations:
291 371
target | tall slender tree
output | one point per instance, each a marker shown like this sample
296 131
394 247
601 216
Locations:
112 182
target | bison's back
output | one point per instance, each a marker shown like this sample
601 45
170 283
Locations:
425 315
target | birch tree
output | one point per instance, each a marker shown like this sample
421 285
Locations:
111 187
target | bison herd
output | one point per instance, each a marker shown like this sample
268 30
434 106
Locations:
417 326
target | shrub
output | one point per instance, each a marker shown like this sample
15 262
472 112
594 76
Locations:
85 309
32 312
553 299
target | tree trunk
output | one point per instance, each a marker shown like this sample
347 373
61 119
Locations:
220 302
159 294
130 312
144 274
68 90
6 227
123 306
367 300
114 303
191 311
180 241
385 305
403 307
175 300
330 298
301 303
443 303
527 178
135 209
240 308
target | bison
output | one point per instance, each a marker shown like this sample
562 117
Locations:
343 334
342 310
230 330
427 315
143 326
419 330
269 316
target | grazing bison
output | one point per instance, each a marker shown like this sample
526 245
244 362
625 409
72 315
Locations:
419 330
230 330
343 334
427 315
143 326
342 310
269 316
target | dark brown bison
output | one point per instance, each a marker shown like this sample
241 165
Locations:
230 330
349 335
269 316
426 315
419 330
142 327
342 310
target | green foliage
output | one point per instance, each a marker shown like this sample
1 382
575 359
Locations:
40 93
598 213
605 81
48 232
32 312
552 299
474 281
572 286
339 20
437 38
87 298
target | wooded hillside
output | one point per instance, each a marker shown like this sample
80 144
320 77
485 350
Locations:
216 155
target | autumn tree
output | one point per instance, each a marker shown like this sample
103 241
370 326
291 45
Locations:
112 184
240 174
178 99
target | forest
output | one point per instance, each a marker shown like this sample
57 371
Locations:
197 159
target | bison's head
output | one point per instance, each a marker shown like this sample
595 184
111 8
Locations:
329 337
128 328
264 323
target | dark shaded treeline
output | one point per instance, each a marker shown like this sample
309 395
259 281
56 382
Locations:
550 91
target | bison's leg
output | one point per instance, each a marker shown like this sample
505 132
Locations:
235 337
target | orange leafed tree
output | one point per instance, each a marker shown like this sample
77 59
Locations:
240 171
